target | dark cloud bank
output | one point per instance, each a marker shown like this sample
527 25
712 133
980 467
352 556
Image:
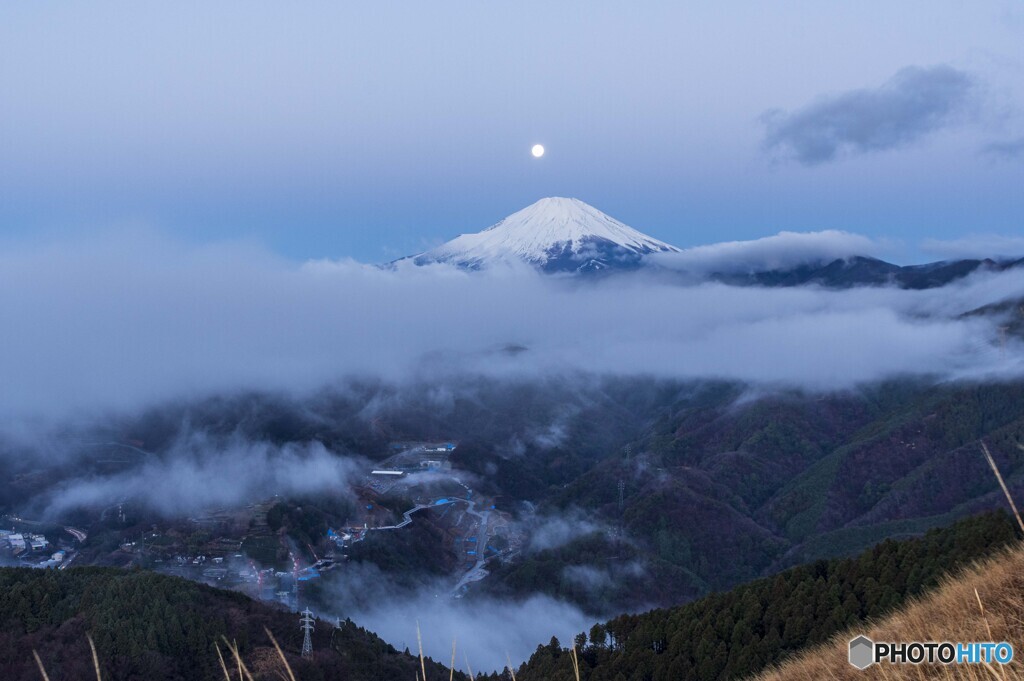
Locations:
914 103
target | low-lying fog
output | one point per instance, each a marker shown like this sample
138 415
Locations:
131 321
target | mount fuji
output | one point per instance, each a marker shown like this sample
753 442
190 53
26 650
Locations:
554 235
567 236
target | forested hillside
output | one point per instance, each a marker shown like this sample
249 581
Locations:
718 486
720 490
154 627
980 603
736 633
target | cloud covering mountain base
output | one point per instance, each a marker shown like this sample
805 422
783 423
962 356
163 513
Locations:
130 322
126 322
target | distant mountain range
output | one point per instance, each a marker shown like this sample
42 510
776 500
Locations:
567 236
859 270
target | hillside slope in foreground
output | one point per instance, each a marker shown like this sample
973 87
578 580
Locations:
982 603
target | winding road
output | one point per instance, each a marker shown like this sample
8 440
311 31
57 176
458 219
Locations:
475 573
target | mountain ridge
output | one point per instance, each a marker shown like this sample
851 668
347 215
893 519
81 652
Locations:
566 236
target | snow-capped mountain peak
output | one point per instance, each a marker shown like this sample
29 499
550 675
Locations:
555 234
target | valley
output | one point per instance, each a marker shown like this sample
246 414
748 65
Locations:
523 341
701 493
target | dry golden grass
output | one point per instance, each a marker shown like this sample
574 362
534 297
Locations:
280 654
95 658
419 642
42 669
982 603
238 658
1002 483
264 660
224 667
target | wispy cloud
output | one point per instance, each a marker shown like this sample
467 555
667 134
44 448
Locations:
976 246
1007 149
199 471
485 628
785 249
913 103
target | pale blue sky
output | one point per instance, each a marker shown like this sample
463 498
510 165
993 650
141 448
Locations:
373 130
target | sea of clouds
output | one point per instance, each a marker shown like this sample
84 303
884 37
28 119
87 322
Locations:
129 320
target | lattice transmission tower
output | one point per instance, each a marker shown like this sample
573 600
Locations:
307 626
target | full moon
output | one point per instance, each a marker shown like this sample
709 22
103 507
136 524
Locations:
537 151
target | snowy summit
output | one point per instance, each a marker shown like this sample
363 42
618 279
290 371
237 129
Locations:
554 234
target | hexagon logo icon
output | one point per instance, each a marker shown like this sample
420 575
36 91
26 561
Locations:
862 652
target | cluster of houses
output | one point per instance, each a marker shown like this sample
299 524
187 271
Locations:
23 544
19 543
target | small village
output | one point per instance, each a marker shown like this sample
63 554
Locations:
31 549
242 549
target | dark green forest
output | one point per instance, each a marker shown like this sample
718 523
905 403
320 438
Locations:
716 493
736 633
154 627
